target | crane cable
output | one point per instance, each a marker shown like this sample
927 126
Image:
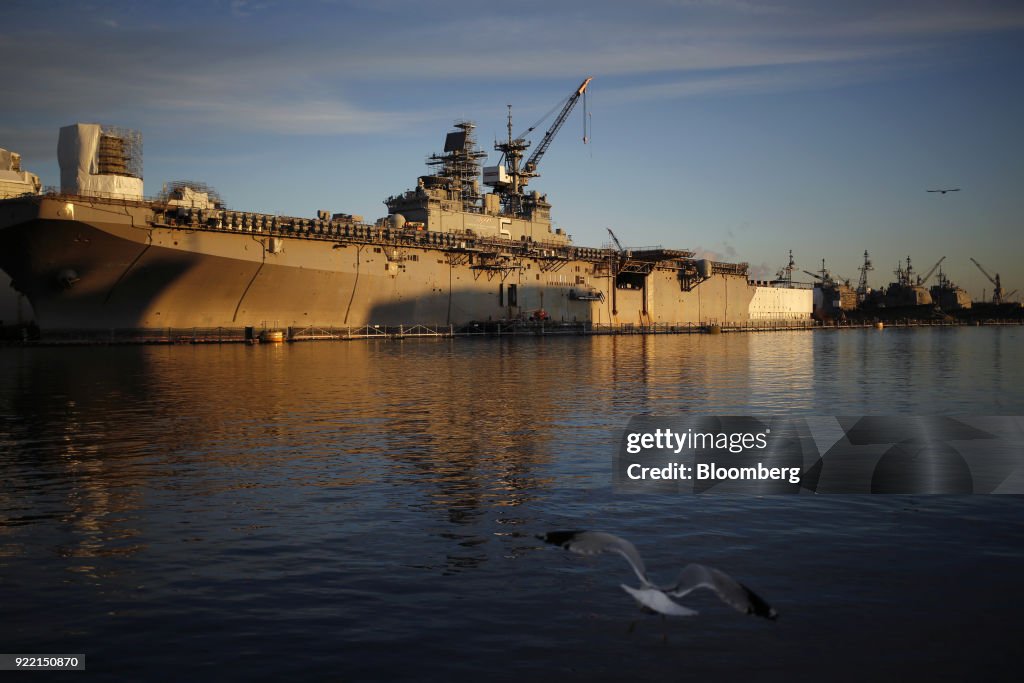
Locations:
544 118
586 136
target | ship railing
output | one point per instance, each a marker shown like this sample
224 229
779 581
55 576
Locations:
227 220
703 326
781 284
147 335
396 331
53 193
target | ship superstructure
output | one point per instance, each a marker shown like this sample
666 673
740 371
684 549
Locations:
948 295
906 290
15 182
833 296
450 200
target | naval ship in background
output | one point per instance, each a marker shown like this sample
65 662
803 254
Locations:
99 256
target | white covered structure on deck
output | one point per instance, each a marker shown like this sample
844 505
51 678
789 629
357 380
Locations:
99 162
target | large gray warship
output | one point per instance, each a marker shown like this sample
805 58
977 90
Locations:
99 256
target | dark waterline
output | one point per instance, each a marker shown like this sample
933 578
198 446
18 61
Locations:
367 510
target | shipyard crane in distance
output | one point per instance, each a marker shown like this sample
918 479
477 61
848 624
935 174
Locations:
997 292
510 176
922 280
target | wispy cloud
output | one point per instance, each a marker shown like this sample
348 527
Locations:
779 78
319 117
292 73
933 20
246 8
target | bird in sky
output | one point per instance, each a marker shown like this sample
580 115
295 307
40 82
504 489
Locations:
659 598
950 189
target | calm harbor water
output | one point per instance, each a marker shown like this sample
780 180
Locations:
367 511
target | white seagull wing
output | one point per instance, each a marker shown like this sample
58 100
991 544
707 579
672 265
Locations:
731 591
654 599
596 543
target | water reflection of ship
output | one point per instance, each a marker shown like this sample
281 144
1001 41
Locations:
113 425
62 443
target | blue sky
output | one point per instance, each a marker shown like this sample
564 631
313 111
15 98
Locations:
740 129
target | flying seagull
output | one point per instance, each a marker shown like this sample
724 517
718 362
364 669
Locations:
659 598
951 189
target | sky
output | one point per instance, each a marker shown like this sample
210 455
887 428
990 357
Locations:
736 128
